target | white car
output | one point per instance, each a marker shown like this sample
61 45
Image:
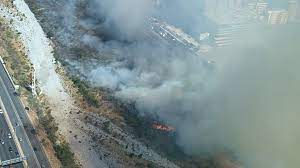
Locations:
9 136
1 112
2 142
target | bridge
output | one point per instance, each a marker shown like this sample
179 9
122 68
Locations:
12 161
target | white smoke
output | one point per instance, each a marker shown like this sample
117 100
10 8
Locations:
246 102
127 16
252 106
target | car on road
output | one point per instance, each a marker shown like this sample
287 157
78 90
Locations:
16 93
33 131
9 135
20 139
1 111
10 149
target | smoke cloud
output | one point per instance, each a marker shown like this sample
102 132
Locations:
125 17
246 102
251 106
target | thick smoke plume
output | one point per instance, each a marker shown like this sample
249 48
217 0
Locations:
246 102
251 104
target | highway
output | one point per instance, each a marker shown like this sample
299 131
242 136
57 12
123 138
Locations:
5 152
19 126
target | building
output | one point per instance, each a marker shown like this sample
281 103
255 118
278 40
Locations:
261 8
220 8
293 10
228 33
252 6
278 17
258 9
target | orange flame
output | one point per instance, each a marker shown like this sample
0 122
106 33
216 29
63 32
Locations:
163 127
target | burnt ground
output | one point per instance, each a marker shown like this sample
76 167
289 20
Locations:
65 39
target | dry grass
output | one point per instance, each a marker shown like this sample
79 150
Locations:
8 3
12 52
106 108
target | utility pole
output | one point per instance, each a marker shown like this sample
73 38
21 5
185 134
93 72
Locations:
33 82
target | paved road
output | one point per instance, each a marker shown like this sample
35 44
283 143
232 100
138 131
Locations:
5 153
22 126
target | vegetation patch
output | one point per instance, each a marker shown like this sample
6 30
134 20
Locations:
65 155
89 96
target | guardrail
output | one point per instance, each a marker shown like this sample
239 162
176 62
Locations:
11 80
26 116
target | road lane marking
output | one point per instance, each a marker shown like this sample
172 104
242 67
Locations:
22 128
5 72
6 152
14 136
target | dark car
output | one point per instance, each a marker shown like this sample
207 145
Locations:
16 93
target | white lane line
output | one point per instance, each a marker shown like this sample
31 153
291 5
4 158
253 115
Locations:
18 118
4 136
4 67
14 136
